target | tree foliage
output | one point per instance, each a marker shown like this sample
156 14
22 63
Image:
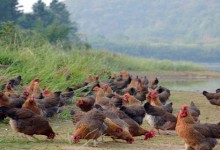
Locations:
9 10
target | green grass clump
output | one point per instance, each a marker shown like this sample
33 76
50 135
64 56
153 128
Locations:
43 62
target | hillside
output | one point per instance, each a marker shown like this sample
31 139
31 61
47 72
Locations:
144 27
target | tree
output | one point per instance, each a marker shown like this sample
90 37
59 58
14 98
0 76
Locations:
61 13
52 23
9 10
41 13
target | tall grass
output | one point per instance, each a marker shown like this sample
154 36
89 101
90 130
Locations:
43 61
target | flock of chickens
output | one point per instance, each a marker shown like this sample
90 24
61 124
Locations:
115 108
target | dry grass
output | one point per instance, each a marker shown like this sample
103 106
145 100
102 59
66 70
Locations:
11 140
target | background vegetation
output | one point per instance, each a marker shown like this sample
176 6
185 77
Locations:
51 23
52 64
164 29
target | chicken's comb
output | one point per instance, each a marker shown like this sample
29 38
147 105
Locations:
36 80
95 88
184 107
123 73
153 92
45 91
105 85
149 135
127 94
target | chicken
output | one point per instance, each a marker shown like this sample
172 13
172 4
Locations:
76 115
32 105
100 97
18 102
141 91
13 82
10 91
30 88
159 118
90 79
169 107
134 128
213 98
141 86
133 84
47 93
118 85
117 100
137 113
194 111
37 91
153 83
164 94
51 101
91 126
124 74
124 133
86 104
4 101
131 88
218 90
50 105
107 90
130 100
111 79
195 135
145 81
13 102
153 99
16 81
116 132
28 122
115 126
67 95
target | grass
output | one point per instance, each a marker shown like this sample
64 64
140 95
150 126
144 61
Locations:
43 61
64 128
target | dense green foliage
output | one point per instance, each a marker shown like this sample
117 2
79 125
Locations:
164 29
50 23
9 10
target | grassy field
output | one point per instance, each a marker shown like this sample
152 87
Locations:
44 61
63 127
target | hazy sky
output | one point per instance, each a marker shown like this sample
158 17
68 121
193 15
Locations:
27 4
